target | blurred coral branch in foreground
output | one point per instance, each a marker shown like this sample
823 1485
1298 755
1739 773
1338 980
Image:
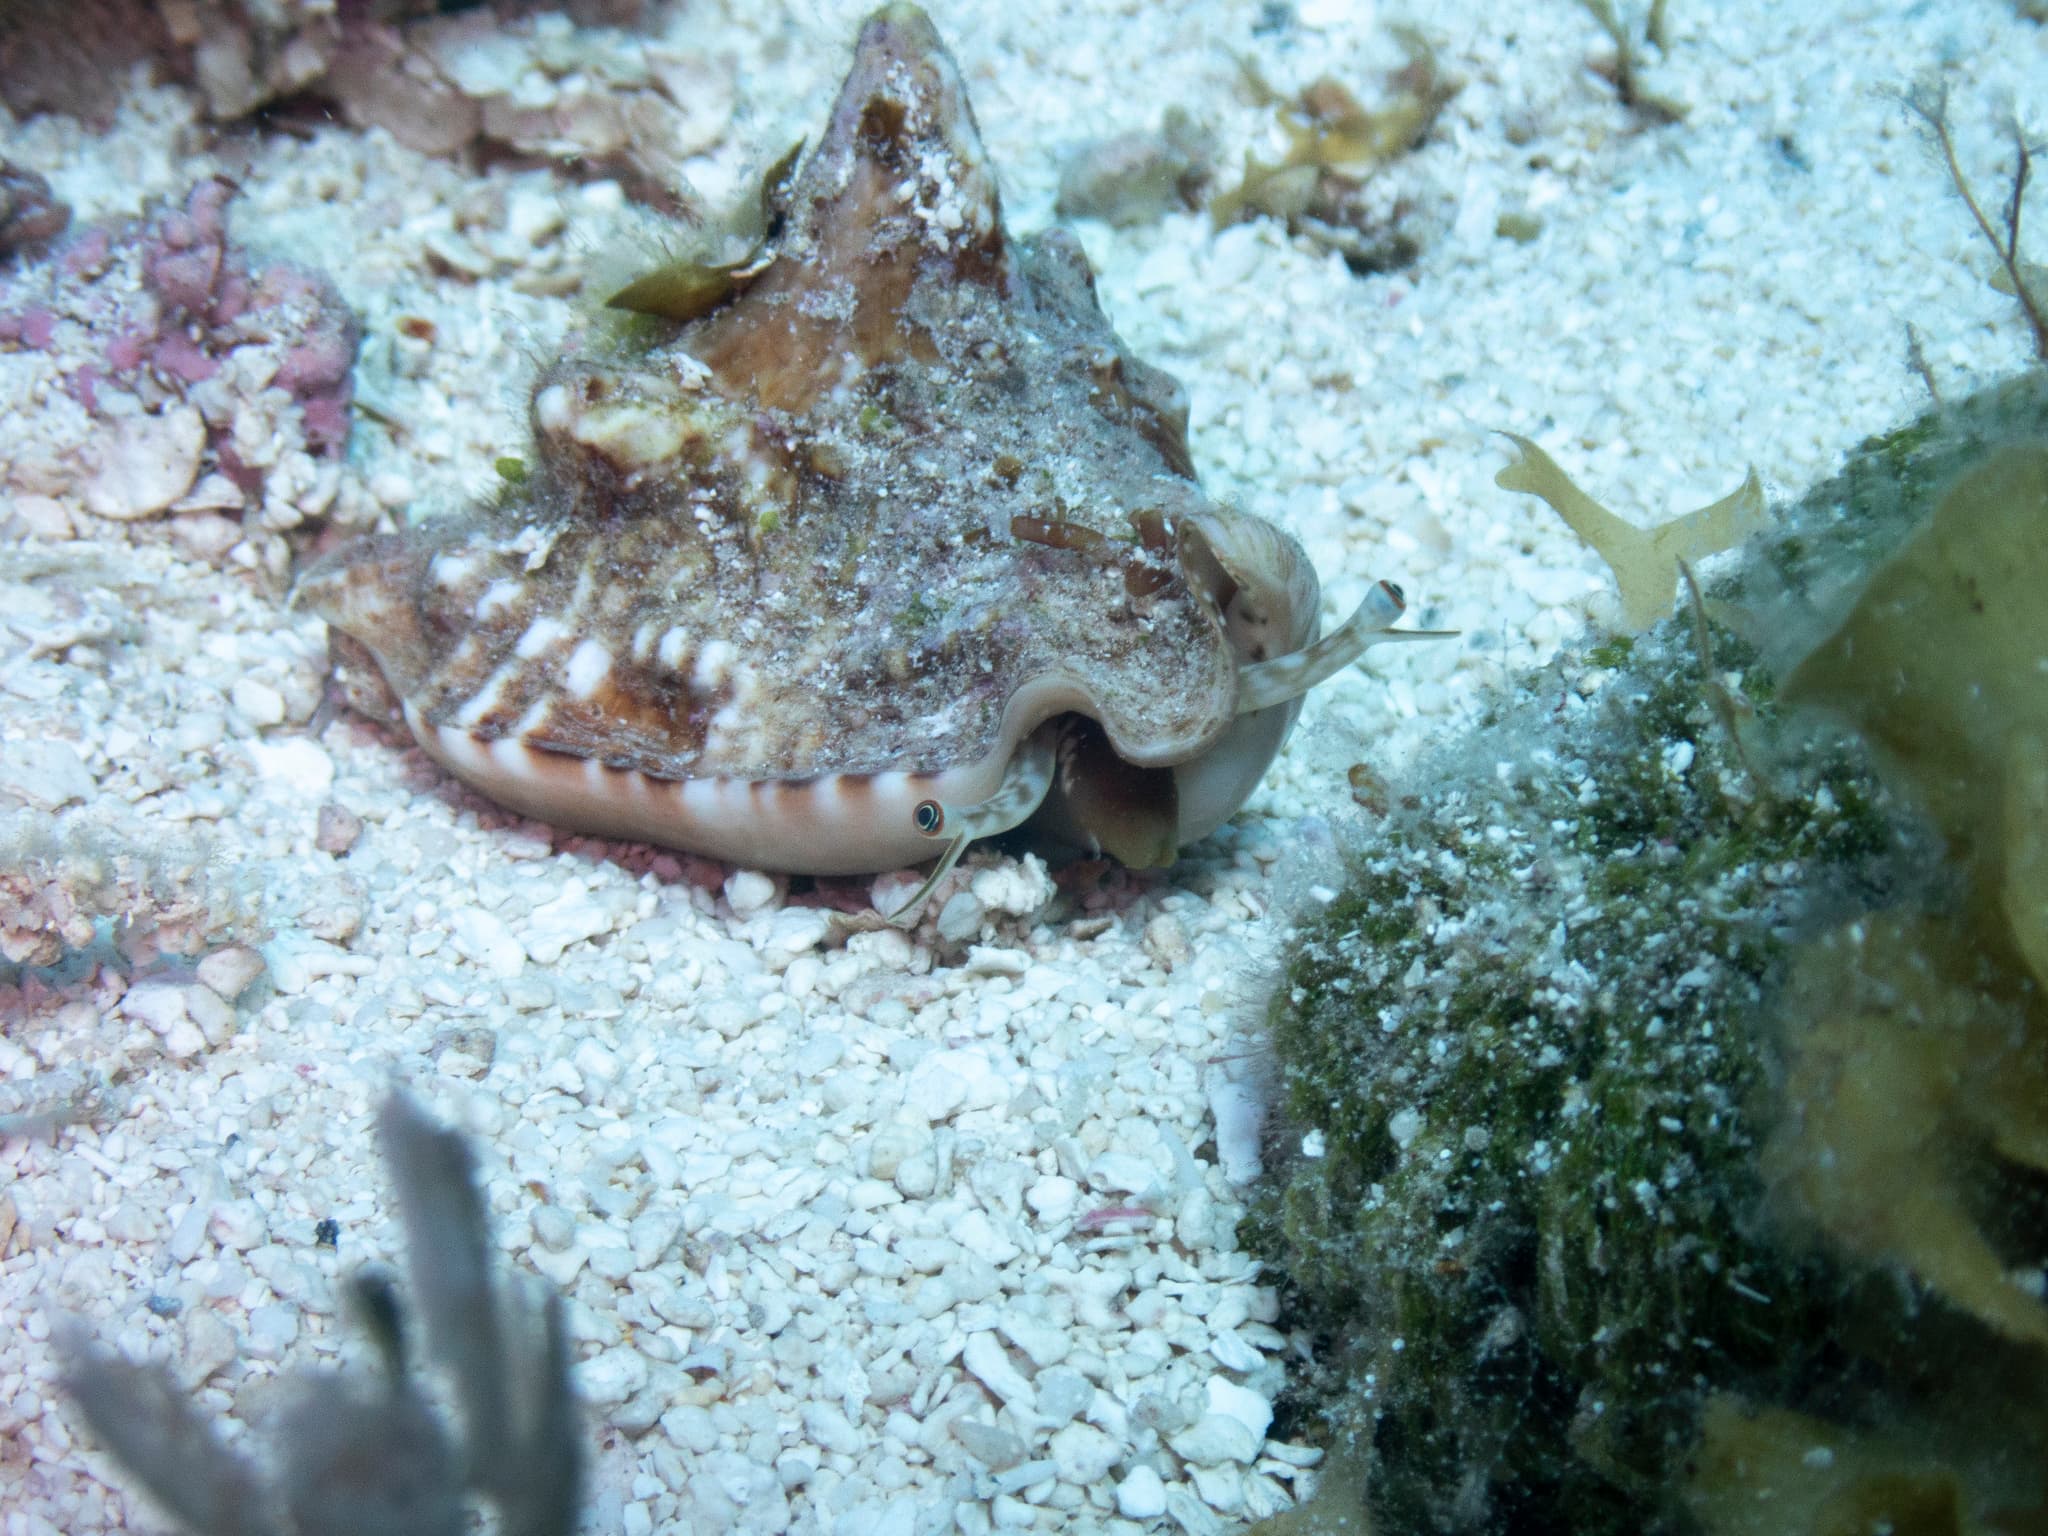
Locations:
364 1456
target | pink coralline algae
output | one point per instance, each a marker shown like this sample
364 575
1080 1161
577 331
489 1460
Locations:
158 367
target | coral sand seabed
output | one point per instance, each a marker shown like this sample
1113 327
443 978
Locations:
931 1228
1673 1063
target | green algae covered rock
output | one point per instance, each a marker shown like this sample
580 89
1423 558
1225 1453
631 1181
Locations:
1671 1076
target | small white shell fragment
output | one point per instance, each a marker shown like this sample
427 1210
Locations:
161 1007
44 774
960 918
297 763
189 1233
1064 1395
1083 1454
559 1268
796 930
1221 1488
986 1359
569 919
553 1228
273 1327
990 1444
199 730
238 1224
260 705
1053 1197
1187 1510
1020 889
988 960
209 1346
1042 1344
214 1018
1294 1455
42 517
1249 1408
488 940
749 891
297 962
1239 1120
1141 1495
146 463
1233 1353
610 1256
1166 941
1215 1439
650 1237
947 1083
691 1427
828 1426
231 971
214 493
1123 1173
607 1380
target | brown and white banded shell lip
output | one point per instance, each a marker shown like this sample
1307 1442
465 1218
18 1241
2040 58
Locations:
831 824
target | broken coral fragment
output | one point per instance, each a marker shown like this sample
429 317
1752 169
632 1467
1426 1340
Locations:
1644 561
607 101
142 464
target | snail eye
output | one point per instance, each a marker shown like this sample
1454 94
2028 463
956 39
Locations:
929 816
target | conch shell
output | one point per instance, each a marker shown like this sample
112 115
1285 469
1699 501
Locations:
891 547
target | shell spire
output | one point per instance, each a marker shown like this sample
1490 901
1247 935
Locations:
901 162
895 208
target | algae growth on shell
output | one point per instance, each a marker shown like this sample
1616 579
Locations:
835 549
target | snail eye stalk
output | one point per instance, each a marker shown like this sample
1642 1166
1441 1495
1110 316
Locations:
1262 684
1024 784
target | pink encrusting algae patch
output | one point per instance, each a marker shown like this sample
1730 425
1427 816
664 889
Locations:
138 320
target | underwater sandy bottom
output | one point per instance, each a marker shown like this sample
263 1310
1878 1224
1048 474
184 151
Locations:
929 1231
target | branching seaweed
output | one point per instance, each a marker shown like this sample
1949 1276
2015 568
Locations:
2025 281
1335 146
1625 69
695 279
364 1457
1645 561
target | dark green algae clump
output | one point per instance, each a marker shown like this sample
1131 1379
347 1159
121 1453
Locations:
1667 1089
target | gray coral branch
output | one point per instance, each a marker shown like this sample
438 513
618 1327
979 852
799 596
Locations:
368 1455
